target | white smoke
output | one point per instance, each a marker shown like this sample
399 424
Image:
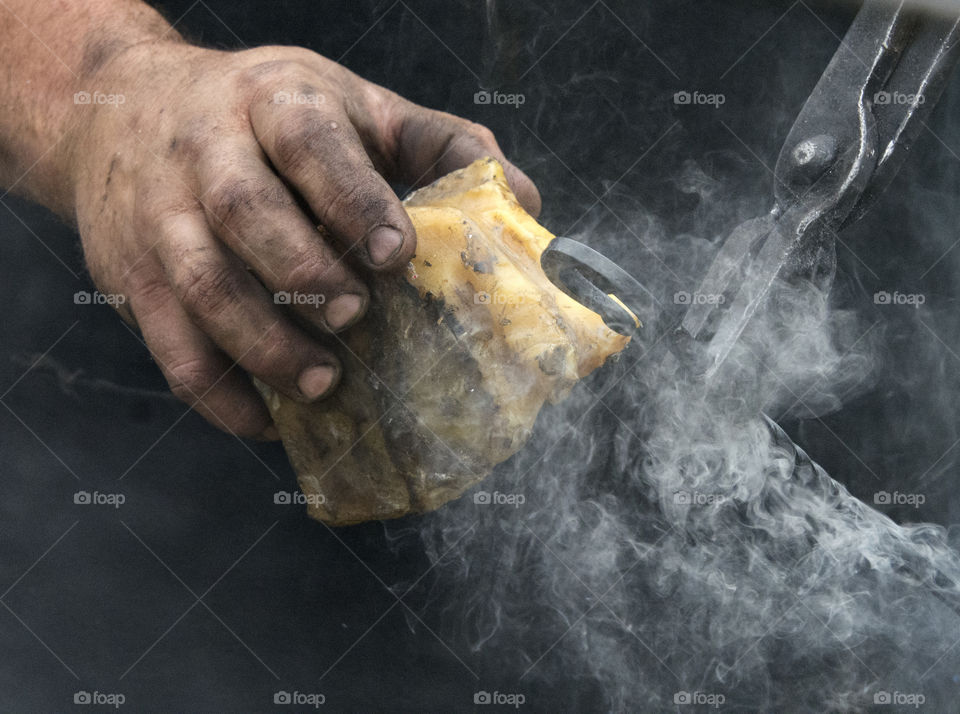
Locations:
673 544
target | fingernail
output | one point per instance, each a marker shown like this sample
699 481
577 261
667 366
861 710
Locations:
383 242
342 311
314 382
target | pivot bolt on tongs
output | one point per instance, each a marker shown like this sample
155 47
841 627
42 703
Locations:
845 147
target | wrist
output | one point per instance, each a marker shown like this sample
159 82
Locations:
104 106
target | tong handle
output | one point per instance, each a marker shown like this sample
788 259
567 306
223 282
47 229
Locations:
854 131
830 152
921 75
843 149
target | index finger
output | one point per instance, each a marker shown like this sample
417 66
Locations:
317 149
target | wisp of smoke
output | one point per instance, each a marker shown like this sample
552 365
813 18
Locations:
672 546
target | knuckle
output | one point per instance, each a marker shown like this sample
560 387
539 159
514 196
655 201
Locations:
238 200
313 272
347 202
275 360
191 139
207 287
155 211
269 71
190 379
482 134
150 292
299 138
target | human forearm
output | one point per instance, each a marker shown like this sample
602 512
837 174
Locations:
197 180
50 51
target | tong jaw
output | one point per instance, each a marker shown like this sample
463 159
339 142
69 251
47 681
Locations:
845 146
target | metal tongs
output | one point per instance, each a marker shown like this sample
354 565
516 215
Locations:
845 147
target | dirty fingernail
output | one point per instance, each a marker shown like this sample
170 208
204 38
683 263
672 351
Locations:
342 311
314 382
383 243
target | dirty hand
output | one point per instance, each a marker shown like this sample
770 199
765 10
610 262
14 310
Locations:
199 179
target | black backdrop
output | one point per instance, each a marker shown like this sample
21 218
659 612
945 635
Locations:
107 599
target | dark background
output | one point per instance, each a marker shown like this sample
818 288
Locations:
111 604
